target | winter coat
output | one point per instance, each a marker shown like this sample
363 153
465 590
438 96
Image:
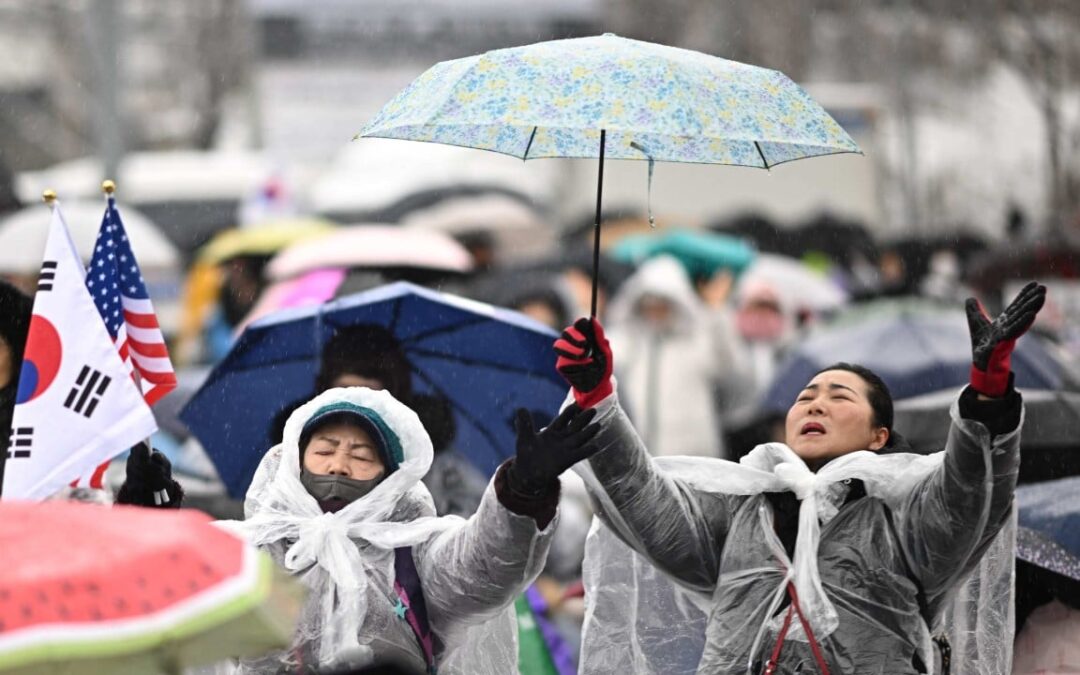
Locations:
886 571
470 571
455 484
673 378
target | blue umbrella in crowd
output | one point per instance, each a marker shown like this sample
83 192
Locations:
916 346
484 361
1049 526
607 96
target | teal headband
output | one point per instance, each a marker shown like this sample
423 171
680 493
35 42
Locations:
372 422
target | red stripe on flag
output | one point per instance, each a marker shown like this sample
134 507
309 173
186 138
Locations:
96 481
140 320
160 379
151 349
155 394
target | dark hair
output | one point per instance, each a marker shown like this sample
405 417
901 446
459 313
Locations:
877 392
15 310
370 351
881 403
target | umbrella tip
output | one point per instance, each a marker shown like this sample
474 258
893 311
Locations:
48 196
108 187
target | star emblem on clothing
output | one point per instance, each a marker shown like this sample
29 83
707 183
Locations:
400 609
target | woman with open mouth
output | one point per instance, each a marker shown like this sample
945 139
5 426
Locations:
835 552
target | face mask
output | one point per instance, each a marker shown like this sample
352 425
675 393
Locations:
758 326
326 488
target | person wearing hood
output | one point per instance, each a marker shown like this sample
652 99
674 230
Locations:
340 503
368 355
15 312
680 359
833 553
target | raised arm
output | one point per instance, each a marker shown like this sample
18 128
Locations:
954 514
681 530
474 571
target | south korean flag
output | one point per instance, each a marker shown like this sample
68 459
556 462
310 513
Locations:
77 406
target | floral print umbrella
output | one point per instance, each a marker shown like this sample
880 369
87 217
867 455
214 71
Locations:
608 96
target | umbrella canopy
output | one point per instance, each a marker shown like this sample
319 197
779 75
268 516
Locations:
463 215
1050 438
551 99
514 228
1049 532
263 239
701 253
89 589
799 286
763 233
372 247
23 234
1051 419
917 347
839 239
485 361
1039 260
608 96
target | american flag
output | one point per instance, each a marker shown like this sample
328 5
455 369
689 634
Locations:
116 284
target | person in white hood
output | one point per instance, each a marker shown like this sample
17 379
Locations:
339 503
680 359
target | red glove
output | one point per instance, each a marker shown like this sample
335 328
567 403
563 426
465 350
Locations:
993 341
585 361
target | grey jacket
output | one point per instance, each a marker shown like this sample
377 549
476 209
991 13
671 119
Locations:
469 575
887 572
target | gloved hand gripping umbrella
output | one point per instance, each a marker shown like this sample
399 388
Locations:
608 96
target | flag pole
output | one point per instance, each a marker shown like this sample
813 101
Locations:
108 188
49 197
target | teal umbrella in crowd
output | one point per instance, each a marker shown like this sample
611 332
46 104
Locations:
702 254
608 96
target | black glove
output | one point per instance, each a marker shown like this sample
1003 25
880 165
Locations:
542 457
585 361
149 481
992 342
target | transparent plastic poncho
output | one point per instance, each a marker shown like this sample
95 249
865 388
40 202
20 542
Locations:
641 620
470 570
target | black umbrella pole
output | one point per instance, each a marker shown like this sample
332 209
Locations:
596 230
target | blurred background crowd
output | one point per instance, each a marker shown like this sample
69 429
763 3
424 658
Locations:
227 127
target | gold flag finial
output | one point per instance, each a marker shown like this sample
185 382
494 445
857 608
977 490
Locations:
48 196
108 187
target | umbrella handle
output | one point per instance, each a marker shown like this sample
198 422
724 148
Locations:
596 230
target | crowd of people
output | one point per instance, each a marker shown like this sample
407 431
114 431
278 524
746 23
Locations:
815 541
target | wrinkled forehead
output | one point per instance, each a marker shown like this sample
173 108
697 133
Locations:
838 379
342 430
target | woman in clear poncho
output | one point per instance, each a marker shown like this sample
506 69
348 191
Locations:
340 504
827 554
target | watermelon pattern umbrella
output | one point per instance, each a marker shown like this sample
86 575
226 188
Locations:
88 589
608 96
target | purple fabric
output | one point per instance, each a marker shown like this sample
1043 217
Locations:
557 648
411 593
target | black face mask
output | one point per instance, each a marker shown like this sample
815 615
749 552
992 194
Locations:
337 488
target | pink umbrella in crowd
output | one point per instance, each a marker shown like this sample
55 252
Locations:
311 272
372 247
